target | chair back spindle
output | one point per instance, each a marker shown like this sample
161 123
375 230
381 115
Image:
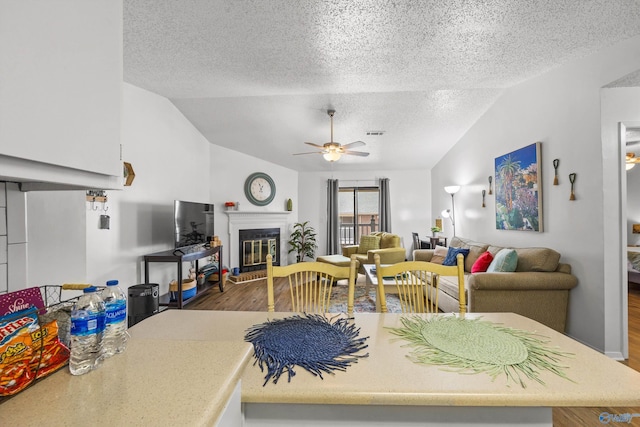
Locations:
416 283
310 284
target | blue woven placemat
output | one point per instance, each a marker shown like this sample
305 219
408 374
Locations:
311 341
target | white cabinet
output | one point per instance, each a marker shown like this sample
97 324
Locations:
61 92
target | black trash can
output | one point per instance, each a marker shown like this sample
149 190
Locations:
143 302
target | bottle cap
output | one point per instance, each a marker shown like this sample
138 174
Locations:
112 282
89 289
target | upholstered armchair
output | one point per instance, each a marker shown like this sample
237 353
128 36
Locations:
387 245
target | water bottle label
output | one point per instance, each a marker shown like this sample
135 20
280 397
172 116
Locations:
116 312
88 325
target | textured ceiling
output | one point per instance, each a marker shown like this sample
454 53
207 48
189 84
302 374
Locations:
257 76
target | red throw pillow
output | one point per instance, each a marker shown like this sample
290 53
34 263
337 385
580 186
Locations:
482 263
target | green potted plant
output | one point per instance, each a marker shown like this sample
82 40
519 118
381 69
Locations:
435 230
303 241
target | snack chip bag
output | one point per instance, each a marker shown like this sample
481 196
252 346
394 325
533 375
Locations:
28 350
16 350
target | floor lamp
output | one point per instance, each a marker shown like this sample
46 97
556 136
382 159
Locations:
451 189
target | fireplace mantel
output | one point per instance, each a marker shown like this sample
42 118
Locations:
233 214
241 220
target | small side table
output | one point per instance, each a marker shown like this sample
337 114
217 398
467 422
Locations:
442 241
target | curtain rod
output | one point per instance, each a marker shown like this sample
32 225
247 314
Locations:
358 181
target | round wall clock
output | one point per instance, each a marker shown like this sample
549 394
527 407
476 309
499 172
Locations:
260 189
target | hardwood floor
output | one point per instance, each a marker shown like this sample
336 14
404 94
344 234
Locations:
252 296
248 296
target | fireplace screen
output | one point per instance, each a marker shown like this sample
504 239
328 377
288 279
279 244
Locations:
254 247
255 251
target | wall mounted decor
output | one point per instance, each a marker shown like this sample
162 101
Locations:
129 174
519 190
483 194
260 189
572 180
556 163
490 180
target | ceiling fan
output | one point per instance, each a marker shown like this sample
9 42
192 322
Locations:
332 151
631 160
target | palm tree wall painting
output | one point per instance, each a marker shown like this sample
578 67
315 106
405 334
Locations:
518 189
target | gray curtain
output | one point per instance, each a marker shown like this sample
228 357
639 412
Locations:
333 218
385 206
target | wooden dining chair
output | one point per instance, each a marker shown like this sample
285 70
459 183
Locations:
416 241
310 284
416 283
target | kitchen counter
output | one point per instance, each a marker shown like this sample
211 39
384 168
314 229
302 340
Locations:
387 377
153 383
182 365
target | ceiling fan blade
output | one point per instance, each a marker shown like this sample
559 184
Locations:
308 152
356 153
314 145
354 144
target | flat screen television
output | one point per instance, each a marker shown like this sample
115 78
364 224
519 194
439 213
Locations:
193 223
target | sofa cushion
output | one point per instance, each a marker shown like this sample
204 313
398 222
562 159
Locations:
388 240
494 249
449 286
474 253
482 263
439 254
475 250
505 261
368 243
537 259
452 253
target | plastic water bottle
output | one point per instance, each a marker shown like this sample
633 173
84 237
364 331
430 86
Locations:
115 331
87 326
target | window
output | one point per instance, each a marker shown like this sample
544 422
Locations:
359 214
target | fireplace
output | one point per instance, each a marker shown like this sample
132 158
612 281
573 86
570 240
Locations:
247 220
254 245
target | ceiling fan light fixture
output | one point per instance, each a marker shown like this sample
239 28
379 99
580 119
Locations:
333 151
332 156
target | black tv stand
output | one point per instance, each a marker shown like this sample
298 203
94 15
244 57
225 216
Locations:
178 256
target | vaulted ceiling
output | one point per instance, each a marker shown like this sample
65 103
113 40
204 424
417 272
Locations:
258 76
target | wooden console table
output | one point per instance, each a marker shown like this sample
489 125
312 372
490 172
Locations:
179 256
442 241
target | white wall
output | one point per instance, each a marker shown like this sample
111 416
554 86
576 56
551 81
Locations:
229 171
410 201
562 110
171 160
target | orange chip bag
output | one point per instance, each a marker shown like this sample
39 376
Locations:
27 350
16 350
54 354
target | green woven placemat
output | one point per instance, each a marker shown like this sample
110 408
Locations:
474 346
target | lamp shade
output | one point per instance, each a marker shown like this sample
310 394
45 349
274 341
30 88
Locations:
331 156
446 213
452 189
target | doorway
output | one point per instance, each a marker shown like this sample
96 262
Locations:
630 140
